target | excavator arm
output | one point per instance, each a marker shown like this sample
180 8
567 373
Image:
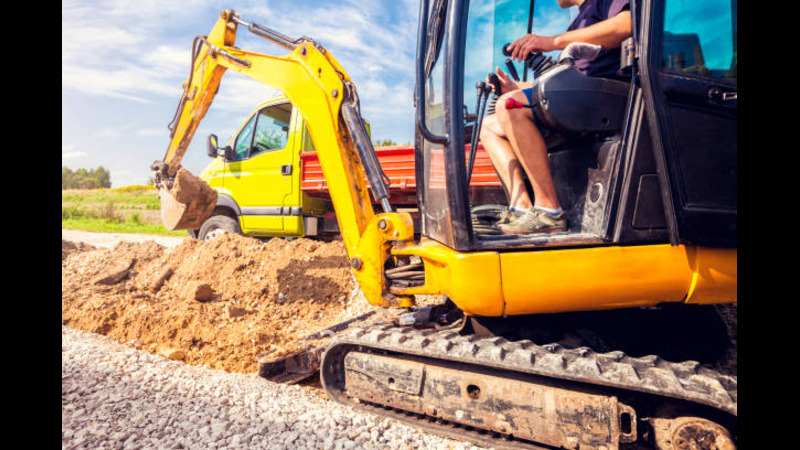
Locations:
322 91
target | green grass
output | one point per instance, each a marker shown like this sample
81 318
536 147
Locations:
102 225
105 214
116 196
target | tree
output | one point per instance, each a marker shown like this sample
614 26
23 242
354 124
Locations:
85 179
384 143
67 178
103 177
87 183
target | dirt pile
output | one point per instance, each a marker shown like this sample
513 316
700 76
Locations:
67 248
218 303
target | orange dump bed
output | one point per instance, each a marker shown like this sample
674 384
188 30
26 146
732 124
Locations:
398 164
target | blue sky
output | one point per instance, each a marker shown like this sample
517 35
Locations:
123 62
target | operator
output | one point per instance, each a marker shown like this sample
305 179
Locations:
512 139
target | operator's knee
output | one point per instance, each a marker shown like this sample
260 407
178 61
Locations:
507 116
490 128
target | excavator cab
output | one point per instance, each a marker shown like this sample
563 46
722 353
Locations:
647 159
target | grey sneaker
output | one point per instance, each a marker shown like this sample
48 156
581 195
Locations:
507 216
536 221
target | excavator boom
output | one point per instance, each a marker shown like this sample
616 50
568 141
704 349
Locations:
319 87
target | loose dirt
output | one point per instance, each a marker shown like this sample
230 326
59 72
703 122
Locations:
188 203
67 248
219 303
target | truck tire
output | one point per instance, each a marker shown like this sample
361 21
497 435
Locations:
216 226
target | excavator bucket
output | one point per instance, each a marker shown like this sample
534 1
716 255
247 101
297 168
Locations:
188 203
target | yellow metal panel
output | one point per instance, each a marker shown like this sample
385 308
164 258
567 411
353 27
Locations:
715 276
594 278
293 225
213 174
472 280
254 224
272 225
369 256
560 280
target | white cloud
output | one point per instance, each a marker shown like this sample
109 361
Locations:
106 132
118 49
73 155
240 93
157 132
140 52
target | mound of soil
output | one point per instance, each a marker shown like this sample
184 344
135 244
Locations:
67 248
219 303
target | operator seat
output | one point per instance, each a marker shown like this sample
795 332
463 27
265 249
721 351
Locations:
571 105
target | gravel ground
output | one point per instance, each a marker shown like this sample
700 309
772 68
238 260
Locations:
108 240
114 396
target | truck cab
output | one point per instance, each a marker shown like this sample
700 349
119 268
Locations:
270 183
257 177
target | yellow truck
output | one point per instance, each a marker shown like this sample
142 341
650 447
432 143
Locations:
269 181
257 177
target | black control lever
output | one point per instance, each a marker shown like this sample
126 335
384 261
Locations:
535 60
483 91
512 69
495 82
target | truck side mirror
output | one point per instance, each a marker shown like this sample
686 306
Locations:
212 148
229 154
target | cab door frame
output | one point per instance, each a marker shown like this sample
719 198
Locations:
694 140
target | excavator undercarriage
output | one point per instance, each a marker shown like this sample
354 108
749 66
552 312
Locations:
562 394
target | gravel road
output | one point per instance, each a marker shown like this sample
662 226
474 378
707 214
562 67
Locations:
114 396
111 239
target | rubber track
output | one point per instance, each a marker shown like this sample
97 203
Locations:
687 380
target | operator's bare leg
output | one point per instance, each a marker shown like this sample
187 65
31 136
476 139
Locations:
528 145
505 163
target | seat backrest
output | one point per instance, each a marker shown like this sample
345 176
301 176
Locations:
565 101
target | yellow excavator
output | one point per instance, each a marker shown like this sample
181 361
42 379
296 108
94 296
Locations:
607 335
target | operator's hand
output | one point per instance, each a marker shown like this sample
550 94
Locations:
531 43
506 83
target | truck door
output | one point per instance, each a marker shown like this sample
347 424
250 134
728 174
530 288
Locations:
261 178
689 53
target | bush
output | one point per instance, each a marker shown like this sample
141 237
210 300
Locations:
136 219
109 214
87 183
75 212
135 188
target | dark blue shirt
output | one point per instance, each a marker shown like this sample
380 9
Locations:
606 64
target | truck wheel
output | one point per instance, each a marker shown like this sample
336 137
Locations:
216 226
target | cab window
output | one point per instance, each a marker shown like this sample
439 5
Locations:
272 128
700 38
242 146
491 24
